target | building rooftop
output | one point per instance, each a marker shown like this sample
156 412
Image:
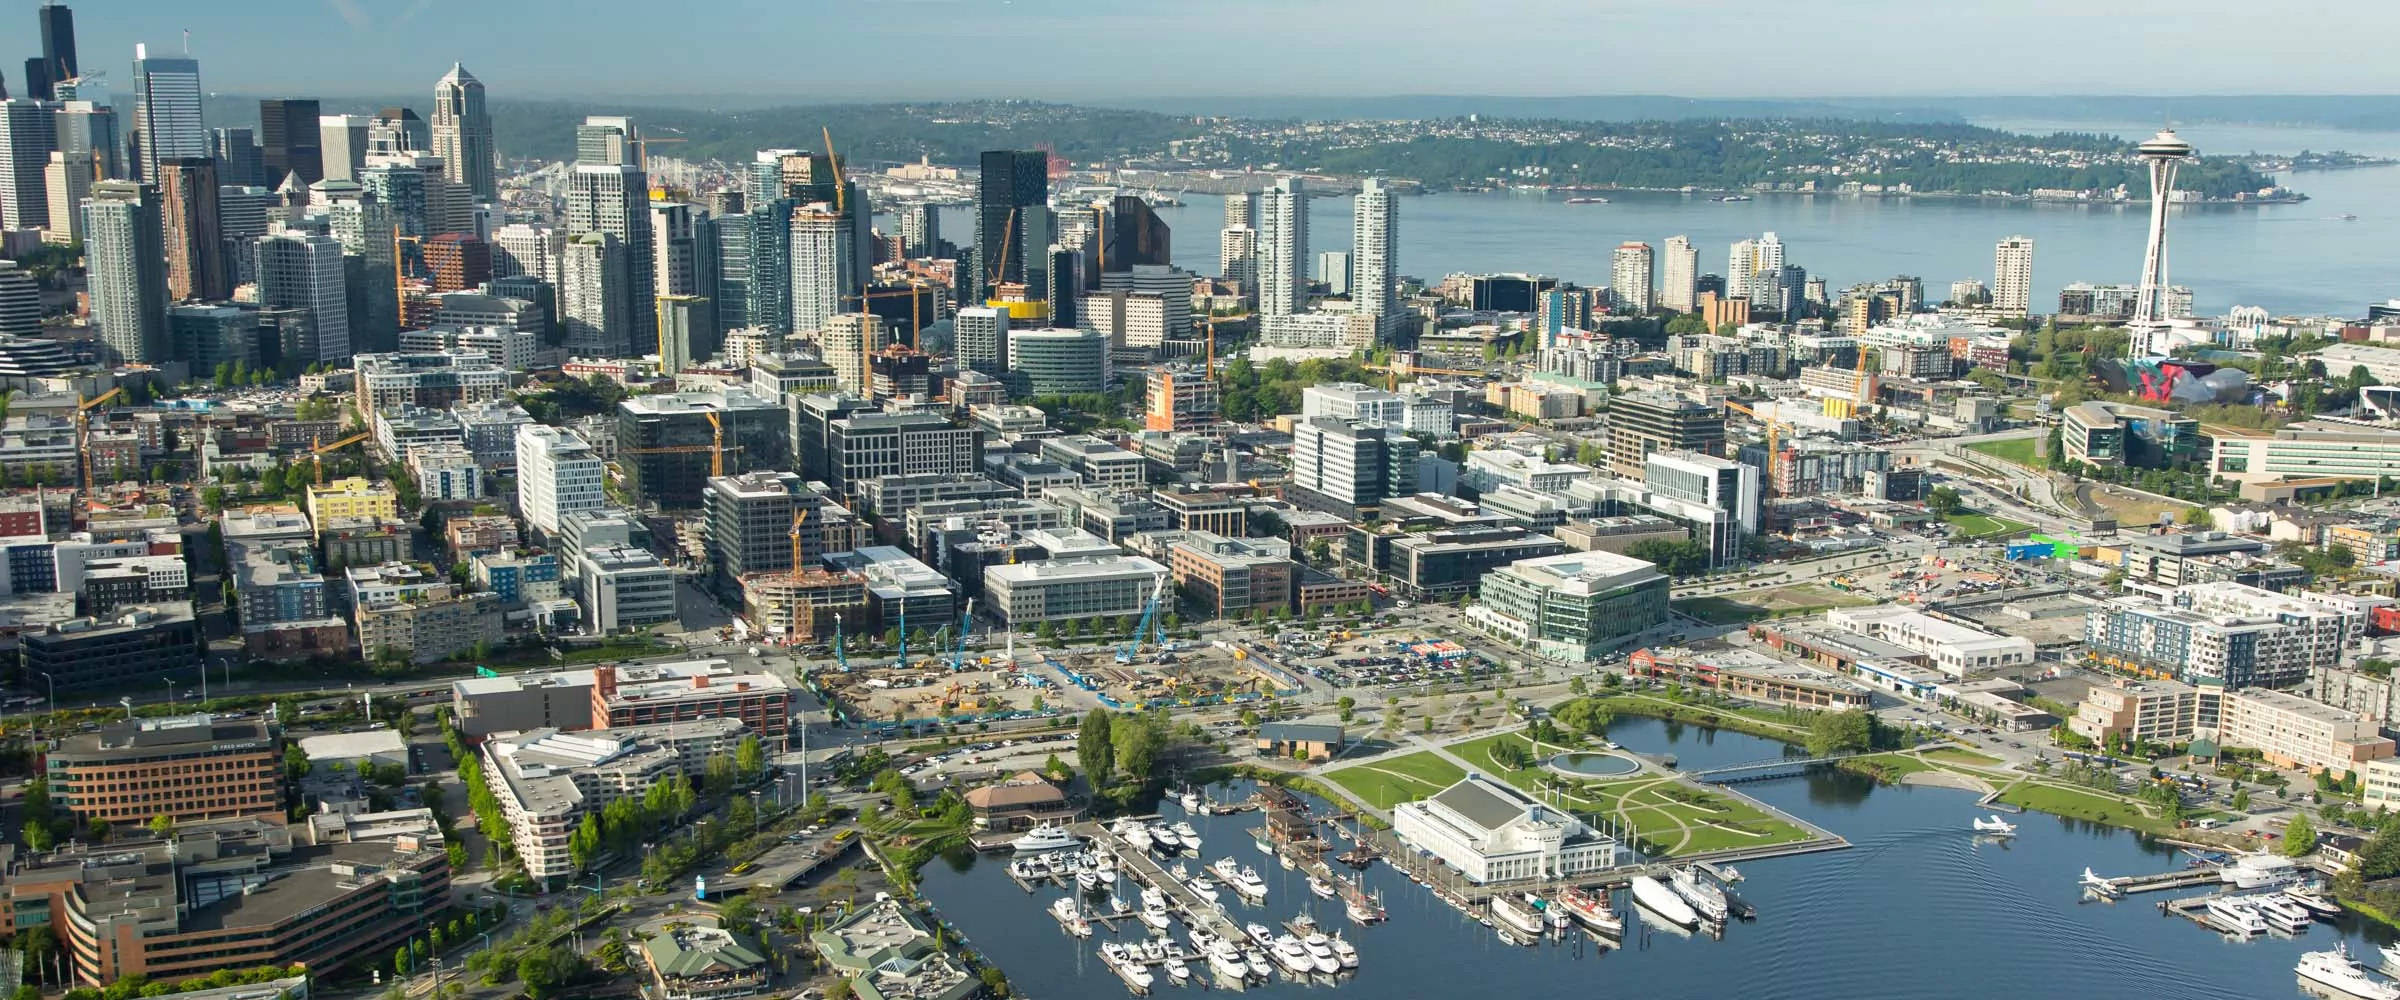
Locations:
353 746
690 952
1046 571
1482 802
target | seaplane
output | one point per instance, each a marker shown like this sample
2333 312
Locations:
2100 887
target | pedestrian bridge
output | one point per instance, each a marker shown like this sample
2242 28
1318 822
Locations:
1761 770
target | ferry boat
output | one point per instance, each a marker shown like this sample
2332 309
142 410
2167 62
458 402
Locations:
2337 971
1995 825
1319 886
1046 837
1515 915
1706 898
1592 910
2280 912
1657 898
1589 200
2235 916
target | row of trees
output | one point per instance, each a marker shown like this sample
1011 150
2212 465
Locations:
1676 559
1116 747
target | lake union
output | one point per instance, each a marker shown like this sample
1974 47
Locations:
1919 907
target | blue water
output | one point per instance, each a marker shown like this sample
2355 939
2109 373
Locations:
2300 259
1918 908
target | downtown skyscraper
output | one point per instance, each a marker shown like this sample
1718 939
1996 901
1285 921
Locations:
126 267
166 109
1375 242
1629 275
290 141
609 193
1679 275
28 135
1283 249
189 229
462 133
1014 183
56 64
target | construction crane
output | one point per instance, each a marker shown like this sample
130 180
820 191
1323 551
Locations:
841 201
1767 490
716 449
1149 611
316 454
1007 230
399 274
83 432
966 624
1406 364
1860 387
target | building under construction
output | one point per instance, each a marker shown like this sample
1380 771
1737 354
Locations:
670 445
803 606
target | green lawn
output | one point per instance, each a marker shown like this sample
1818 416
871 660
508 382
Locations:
1955 755
1974 525
2078 804
2018 450
1386 783
1675 817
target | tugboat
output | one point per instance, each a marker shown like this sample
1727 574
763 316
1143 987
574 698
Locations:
1591 910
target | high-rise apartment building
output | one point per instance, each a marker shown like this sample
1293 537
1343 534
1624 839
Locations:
980 336
1341 466
1679 275
1237 258
187 191
67 181
824 265
920 229
845 341
594 303
557 474
166 109
290 142
1629 275
1283 248
2012 276
462 133
305 271
525 248
610 193
671 233
28 135
1375 241
1013 182
125 259
683 331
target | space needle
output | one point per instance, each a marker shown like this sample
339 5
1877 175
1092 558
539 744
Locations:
2163 153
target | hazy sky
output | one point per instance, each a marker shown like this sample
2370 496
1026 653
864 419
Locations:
803 50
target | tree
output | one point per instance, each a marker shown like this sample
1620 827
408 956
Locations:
1094 750
749 758
1138 738
1677 559
584 844
1348 705
1055 769
97 830
1841 732
2300 838
1943 501
840 989
718 776
162 826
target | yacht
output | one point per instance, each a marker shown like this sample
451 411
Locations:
1177 970
1320 887
1256 958
1706 897
1135 835
1045 837
2337 971
1320 951
1514 915
1070 916
1156 917
1294 956
2280 912
1251 885
1226 960
1552 913
1189 837
1204 889
1117 907
1190 801
2308 899
1592 909
1228 870
1127 966
1087 880
1151 897
1164 839
1995 825
1657 898
1343 952
2235 916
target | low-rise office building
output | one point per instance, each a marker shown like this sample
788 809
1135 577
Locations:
509 703
547 780
652 694
1752 677
136 644
1030 593
1574 606
186 767
1951 647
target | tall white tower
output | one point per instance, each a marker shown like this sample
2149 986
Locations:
462 132
1283 248
2164 152
2012 276
1679 270
1377 242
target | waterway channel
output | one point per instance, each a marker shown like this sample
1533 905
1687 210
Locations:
1918 908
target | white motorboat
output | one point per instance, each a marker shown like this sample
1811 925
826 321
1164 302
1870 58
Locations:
1131 970
1154 949
2235 916
1070 916
2280 912
2337 971
1344 953
1552 913
1513 915
1259 933
1045 837
1592 910
1135 835
1164 840
2309 900
1226 961
1286 861
1156 917
1251 885
1293 956
1177 970
1320 887
1227 869
1995 826
1707 899
1256 958
1152 898
1190 801
1189 837
1359 913
1117 907
1087 880
1204 889
1657 898
2391 956
2259 871
1320 951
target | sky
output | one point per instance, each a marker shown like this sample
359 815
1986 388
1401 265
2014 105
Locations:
804 51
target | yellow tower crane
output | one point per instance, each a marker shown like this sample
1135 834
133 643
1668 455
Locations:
83 433
316 454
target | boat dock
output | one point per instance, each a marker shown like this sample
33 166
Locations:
1142 868
2178 879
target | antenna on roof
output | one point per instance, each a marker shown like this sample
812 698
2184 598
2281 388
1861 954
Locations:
187 41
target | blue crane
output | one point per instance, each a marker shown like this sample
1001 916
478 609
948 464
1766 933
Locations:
1149 612
966 623
839 656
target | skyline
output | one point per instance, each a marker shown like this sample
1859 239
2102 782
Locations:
1145 49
